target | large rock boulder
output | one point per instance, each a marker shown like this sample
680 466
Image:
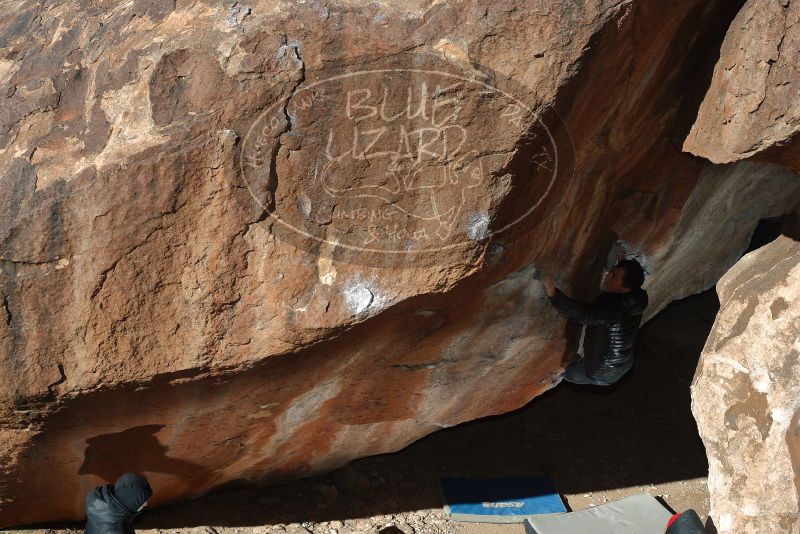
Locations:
257 240
746 394
752 107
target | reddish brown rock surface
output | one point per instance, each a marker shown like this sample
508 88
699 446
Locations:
159 313
746 394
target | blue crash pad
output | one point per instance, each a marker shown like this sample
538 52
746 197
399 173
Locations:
500 500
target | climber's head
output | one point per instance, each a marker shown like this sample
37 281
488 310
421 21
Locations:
626 276
132 491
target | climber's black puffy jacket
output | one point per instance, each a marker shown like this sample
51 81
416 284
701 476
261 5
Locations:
612 323
105 514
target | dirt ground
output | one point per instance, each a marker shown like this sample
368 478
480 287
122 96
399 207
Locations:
597 445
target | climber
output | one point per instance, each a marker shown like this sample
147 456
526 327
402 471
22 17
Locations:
611 324
110 509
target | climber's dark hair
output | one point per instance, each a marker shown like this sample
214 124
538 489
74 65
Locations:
634 274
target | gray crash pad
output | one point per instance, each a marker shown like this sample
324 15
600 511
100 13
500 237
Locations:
637 514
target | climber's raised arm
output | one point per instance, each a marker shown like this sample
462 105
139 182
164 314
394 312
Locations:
579 312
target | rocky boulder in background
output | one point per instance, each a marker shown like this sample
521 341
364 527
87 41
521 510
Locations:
746 394
752 107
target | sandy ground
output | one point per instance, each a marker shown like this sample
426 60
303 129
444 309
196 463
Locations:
597 444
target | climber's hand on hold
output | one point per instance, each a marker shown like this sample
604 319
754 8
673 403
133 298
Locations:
549 285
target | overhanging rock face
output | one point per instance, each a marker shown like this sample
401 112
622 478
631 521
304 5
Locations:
260 241
746 394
